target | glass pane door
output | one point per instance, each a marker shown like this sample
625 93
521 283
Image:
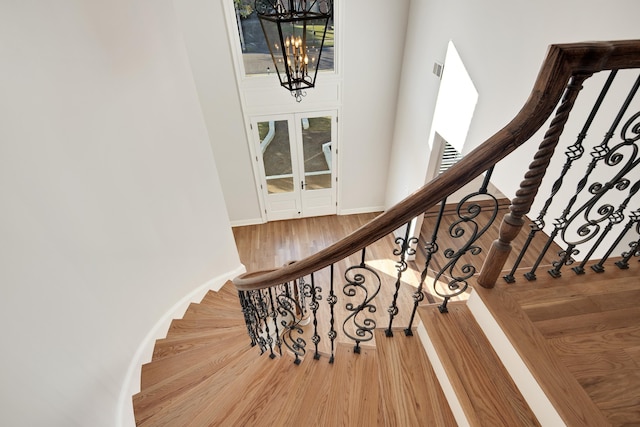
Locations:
276 155
317 151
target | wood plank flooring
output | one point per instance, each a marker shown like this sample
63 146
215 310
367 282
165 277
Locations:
590 325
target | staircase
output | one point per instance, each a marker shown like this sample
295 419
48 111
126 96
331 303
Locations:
555 349
206 373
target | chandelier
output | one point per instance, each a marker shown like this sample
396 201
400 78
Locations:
295 31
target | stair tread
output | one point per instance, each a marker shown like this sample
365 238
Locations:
170 346
218 310
181 326
158 370
562 389
412 393
179 377
184 408
484 388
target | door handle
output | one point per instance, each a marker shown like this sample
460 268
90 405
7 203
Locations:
302 185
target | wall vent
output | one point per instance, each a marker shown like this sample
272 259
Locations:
437 69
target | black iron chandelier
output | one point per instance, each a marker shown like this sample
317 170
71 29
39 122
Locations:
295 31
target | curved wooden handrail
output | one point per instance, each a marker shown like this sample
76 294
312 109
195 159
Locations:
562 62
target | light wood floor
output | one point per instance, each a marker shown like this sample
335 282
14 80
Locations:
591 322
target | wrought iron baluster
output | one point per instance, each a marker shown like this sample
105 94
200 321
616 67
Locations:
560 224
274 317
589 226
403 251
573 153
634 217
614 218
332 300
634 246
268 312
356 277
457 282
431 247
313 292
290 317
249 317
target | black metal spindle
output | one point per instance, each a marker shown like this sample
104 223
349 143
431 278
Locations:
274 317
362 326
573 153
431 247
561 224
290 317
313 292
265 319
332 299
466 226
403 251
634 217
634 246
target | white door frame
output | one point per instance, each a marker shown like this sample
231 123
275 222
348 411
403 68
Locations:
299 202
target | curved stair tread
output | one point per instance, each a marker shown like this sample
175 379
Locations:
217 311
186 407
157 371
171 346
181 326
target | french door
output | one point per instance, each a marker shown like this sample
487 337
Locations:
296 163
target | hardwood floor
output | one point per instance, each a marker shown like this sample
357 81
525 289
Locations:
205 373
590 325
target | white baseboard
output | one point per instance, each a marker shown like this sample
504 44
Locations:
131 384
361 210
244 222
526 383
443 378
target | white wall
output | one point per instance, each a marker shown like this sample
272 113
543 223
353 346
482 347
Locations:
111 206
374 39
204 27
502 44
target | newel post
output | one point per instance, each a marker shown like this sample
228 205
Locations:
521 204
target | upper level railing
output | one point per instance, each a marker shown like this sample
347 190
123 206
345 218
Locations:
278 302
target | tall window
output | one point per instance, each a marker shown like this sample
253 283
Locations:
255 53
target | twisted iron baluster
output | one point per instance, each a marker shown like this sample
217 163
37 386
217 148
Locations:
431 247
267 313
401 266
313 292
274 317
358 282
249 316
458 282
573 153
332 300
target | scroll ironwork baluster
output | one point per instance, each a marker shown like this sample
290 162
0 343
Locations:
431 248
614 218
634 217
573 153
249 317
290 317
313 292
332 300
634 246
403 251
598 154
356 277
467 216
